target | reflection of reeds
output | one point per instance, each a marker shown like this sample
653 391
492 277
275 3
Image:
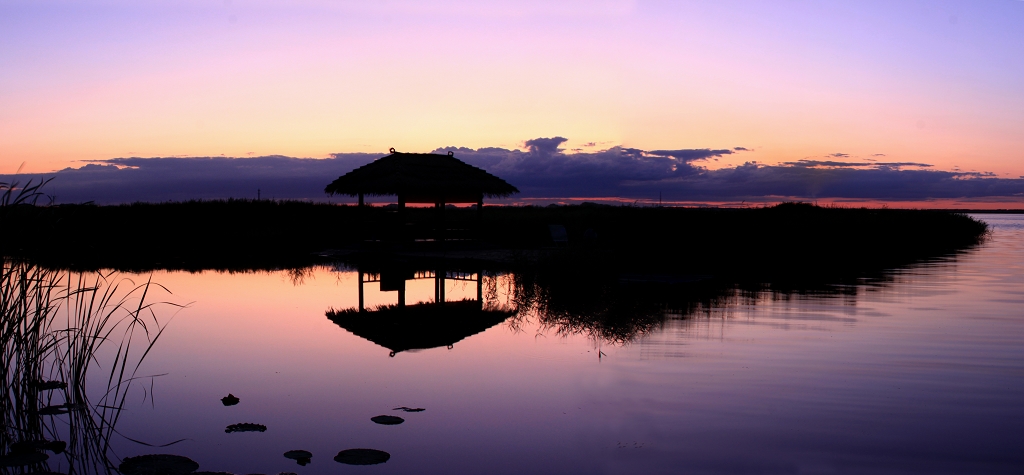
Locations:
59 326
598 305
595 305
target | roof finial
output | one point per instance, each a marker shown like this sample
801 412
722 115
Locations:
392 150
451 153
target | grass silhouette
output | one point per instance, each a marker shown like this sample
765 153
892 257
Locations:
785 241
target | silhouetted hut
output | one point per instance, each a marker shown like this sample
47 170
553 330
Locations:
421 178
420 326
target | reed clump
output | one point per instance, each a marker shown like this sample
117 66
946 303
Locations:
789 240
59 328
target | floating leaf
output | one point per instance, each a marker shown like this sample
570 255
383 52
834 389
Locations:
48 385
25 458
301 456
387 420
362 456
229 400
246 427
158 464
53 410
55 446
409 409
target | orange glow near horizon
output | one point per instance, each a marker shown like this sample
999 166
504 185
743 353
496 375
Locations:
1000 203
934 86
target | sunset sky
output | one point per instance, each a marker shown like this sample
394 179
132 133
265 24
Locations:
933 82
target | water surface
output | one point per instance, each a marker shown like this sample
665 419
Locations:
919 372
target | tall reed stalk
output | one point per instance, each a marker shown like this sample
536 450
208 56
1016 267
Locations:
62 328
14 193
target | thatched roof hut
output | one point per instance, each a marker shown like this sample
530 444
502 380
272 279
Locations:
421 178
420 326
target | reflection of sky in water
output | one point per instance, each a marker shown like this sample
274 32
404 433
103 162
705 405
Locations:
924 374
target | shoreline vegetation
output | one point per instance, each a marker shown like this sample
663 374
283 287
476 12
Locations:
59 329
569 265
791 241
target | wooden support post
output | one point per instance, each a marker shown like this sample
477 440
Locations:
361 203
441 226
399 231
441 286
480 288
362 306
437 223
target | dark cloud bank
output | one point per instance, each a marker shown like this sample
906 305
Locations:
542 171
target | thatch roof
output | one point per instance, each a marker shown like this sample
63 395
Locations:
419 326
421 175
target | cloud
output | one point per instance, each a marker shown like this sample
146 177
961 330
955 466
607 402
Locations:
691 154
123 180
543 170
741 149
875 164
839 155
884 183
545 146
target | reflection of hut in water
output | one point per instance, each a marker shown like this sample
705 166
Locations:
421 178
402 327
420 326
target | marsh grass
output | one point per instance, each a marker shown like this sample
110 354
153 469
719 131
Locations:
13 193
89 331
791 240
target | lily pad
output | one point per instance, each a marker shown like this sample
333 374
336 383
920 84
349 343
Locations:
48 385
55 446
409 409
25 458
229 400
301 456
53 410
387 420
158 464
362 456
246 427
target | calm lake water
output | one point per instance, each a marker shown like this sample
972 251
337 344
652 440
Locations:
922 372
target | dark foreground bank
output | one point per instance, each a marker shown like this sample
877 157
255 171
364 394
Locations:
789 240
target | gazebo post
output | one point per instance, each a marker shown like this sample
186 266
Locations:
362 307
440 222
480 288
361 204
440 285
401 229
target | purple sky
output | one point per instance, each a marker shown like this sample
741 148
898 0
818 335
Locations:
930 82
